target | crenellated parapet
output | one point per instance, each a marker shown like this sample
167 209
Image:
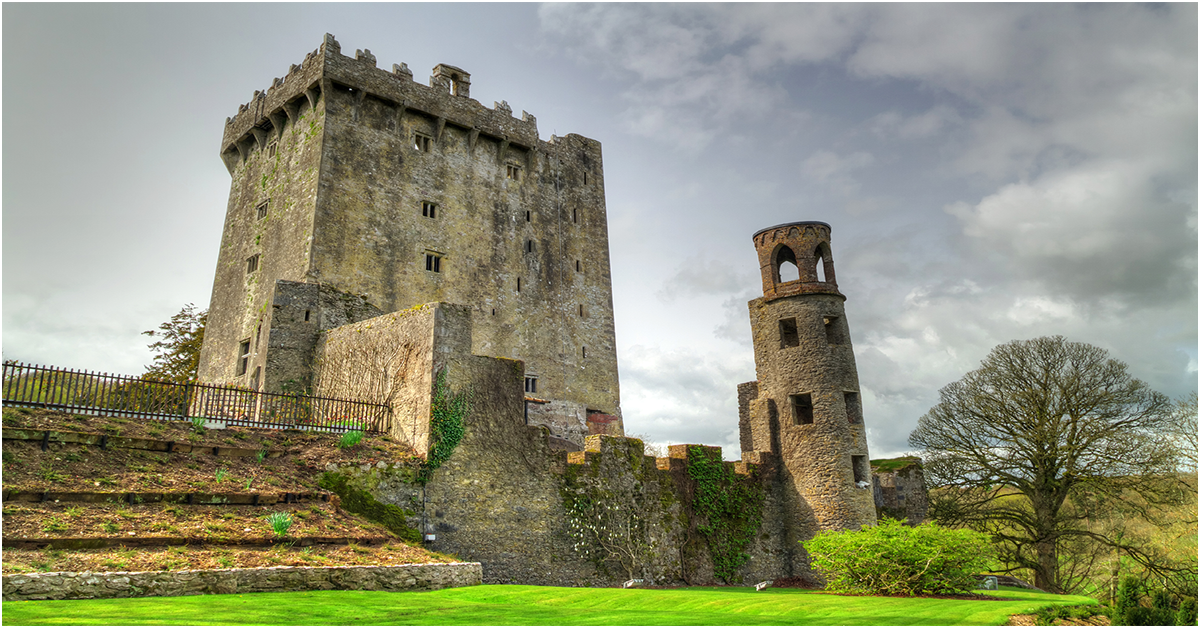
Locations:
446 99
676 459
804 245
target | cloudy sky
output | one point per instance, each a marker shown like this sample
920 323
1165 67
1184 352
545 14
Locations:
991 173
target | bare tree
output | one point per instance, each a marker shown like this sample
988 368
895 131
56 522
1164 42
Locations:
1039 440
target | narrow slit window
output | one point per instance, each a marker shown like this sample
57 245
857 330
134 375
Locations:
585 178
252 263
580 310
433 262
493 311
853 408
518 284
262 210
528 217
257 335
422 142
802 408
514 172
583 351
529 246
578 267
530 384
862 471
243 357
306 313
271 148
428 209
788 335
574 215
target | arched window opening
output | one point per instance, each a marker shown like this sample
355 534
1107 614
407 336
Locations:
820 266
785 265
824 264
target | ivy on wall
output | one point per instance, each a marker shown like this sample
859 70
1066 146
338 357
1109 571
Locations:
729 510
446 424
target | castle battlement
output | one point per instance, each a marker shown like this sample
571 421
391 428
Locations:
446 99
676 459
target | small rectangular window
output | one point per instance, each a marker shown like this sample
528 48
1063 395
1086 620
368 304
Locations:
243 357
578 266
580 310
853 408
802 409
262 210
514 172
527 217
862 470
429 210
788 336
306 312
530 384
422 142
271 149
835 333
585 178
518 284
433 262
252 263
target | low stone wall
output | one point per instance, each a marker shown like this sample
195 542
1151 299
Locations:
68 585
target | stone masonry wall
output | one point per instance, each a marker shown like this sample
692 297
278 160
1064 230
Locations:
120 584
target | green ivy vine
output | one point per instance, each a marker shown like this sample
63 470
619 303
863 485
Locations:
729 510
446 424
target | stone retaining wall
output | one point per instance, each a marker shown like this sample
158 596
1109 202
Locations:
87 585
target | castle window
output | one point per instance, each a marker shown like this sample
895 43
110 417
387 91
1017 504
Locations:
530 384
527 217
788 336
271 149
428 210
853 408
306 315
802 409
518 284
574 215
252 263
433 262
514 172
583 351
529 246
422 142
262 210
835 333
862 471
580 310
257 334
585 178
578 266
785 265
243 357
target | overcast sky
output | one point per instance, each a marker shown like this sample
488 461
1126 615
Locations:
991 173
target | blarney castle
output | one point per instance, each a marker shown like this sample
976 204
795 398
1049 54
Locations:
383 235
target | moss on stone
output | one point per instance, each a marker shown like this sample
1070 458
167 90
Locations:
360 502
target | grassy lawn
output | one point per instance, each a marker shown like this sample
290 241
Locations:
528 605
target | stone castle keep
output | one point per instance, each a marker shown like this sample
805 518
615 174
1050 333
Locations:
380 233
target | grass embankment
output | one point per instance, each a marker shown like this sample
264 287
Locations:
528 605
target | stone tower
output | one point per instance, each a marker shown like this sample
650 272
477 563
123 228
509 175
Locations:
806 407
357 192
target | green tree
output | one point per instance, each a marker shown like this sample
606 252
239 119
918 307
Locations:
1037 442
177 348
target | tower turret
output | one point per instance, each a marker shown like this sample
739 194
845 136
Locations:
806 407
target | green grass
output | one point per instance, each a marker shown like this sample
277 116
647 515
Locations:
529 605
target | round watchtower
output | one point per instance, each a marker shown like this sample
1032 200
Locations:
808 408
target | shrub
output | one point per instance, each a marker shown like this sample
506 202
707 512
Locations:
894 559
350 439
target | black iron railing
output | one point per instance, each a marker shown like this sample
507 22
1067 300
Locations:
84 392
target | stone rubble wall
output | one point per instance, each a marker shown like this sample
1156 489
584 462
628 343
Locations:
69 585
